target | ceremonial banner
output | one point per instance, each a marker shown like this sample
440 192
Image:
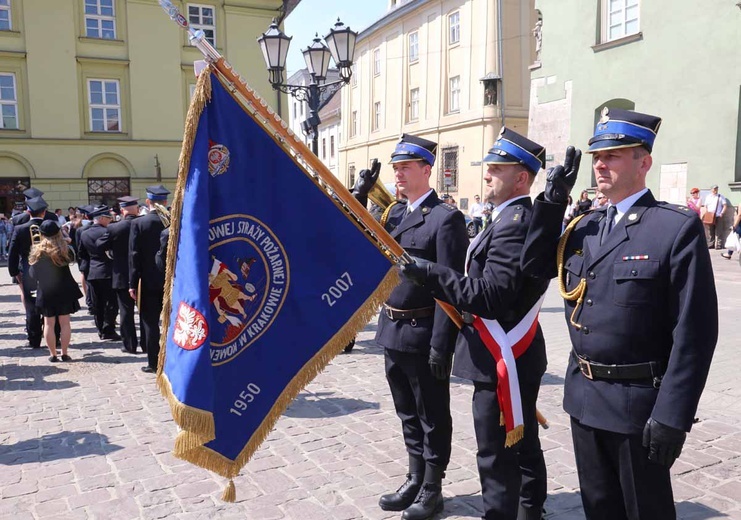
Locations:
267 279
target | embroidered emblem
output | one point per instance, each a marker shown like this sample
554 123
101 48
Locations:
218 159
191 328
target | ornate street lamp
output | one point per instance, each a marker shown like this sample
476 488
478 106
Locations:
340 46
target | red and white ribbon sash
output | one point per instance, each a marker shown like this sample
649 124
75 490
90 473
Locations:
506 347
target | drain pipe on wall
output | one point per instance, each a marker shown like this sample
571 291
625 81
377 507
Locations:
500 64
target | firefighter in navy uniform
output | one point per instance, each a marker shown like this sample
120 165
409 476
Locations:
99 274
24 235
144 242
513 474
417 336
642 313
116 241
22 218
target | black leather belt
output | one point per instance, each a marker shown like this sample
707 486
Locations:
651 370
408 314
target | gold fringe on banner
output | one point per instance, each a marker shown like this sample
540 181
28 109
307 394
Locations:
198 424
213 461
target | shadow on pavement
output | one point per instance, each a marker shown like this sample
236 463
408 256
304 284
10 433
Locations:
697 511
31 377
462 506
56 446
551 379
317 405
107 357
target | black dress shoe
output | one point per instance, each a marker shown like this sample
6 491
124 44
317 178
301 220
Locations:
112 336
428 503
149 370
127 351
404 496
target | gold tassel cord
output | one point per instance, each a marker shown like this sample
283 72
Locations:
514 436
198 423
581 289
230 492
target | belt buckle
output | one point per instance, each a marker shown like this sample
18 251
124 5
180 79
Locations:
389 313
587 372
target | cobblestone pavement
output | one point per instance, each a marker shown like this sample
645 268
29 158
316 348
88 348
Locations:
92 438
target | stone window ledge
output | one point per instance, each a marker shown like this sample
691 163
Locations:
617 43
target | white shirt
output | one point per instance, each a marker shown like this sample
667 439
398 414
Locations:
624 205
411 206
476 211
715 203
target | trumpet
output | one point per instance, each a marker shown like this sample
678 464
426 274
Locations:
163 213
380 196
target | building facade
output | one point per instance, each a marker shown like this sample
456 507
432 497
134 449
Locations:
453 71
94 93
681 62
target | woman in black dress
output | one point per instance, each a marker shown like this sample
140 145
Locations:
57 291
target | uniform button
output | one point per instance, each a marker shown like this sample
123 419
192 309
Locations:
590 302
591 275
585 330
634 272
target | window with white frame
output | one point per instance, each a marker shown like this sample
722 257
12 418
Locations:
620 18
6 22
354 124
8 102
414 104
104 100
454 97
203 17
454 26
376 115
413 47
100 19
376 62
324 148
331 147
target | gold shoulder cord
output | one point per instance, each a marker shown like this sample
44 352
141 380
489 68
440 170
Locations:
580 290
386 212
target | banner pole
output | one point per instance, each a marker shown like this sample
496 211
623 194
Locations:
279 128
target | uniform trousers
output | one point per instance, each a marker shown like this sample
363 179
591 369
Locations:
422 403
149 312
514 475
104 305
128 329
34 321
617 480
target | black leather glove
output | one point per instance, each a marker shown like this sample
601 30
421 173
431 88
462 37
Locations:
664 443
366 180
416 272
561 179
440 364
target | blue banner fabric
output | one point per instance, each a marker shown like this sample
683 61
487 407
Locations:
267 279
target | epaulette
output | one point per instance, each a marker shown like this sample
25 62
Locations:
677 208
449 207
518 213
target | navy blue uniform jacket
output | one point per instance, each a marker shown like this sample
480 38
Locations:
99 266
116 240
495 288
434 231
144 242
650 297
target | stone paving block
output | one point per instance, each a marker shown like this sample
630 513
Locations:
89 498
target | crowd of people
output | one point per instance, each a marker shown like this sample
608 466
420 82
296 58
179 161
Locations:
116 252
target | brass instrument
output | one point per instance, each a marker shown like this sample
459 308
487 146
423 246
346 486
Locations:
163 213
35 234
380 196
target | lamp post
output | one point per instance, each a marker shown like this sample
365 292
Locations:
340 46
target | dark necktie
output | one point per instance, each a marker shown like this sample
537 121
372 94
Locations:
607 224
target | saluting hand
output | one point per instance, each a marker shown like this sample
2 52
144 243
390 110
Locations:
367 179
561 179
664 443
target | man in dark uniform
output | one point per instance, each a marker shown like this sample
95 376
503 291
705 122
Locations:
417 335
100 274
144 242
116 241
642 313
495 288
83 264
22 218
20 247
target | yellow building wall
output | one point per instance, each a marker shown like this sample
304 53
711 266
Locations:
152 59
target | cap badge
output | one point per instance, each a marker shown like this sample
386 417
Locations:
501 133
605 115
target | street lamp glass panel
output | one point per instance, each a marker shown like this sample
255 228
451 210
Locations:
317 57
341 43
274 45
